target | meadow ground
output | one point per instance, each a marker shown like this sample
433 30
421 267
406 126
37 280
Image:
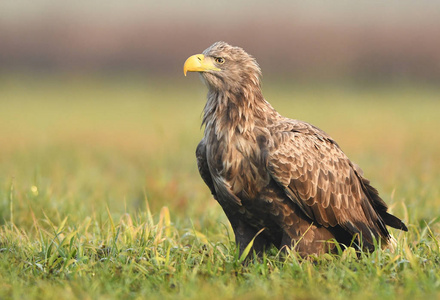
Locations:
100 197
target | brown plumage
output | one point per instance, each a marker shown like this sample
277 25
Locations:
283 175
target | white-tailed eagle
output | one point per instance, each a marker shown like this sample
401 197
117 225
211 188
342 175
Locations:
283 175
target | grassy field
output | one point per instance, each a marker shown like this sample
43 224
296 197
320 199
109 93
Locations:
100 197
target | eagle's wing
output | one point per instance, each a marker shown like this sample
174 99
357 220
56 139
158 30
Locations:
202 165
317 176
218 186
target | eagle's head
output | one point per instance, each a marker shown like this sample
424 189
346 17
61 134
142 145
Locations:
225 68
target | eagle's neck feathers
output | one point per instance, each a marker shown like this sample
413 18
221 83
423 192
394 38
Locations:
236 113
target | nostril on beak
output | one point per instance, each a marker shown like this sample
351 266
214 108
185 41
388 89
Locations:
200 57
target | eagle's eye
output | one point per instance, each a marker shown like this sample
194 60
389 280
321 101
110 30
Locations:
220 60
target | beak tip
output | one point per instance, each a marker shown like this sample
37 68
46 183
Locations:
194 63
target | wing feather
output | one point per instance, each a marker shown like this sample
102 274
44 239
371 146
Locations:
321 180
202 165
220 189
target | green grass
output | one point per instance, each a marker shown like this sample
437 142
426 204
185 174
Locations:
100 197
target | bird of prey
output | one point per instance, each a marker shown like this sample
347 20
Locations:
279 175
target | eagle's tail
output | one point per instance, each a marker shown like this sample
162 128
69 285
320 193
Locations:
393 221
381 207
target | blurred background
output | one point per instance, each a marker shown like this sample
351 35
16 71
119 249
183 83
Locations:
95 112
362 40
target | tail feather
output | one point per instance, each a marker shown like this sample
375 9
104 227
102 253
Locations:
393 221
381 207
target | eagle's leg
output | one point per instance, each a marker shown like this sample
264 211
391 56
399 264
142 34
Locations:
311 240
244 233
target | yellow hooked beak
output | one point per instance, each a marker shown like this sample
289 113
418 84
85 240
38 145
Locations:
199 63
